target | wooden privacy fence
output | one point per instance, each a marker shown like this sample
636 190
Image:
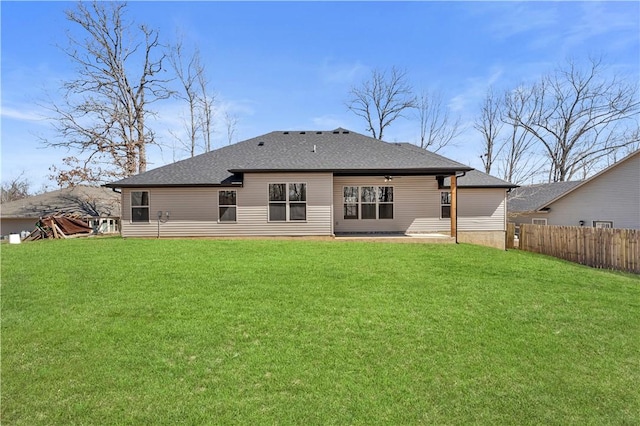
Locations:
597 247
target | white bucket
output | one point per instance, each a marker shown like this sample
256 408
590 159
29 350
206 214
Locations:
14 238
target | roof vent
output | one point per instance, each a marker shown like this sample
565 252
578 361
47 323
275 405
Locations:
261 143
345 132
303 133
318 133
336 132
286 133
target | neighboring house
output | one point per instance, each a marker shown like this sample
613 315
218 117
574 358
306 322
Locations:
99 207
302 183
610 199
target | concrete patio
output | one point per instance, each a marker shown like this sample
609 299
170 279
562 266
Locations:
431 238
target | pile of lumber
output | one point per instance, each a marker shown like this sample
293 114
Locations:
59 226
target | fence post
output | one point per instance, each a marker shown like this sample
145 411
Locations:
511 235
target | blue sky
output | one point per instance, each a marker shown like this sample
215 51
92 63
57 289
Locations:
289 65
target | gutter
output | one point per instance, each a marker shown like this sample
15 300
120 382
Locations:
179 185
355 172
113 188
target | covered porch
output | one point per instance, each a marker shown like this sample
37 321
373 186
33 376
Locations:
414 207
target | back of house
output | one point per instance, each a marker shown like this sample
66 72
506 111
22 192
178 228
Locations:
302 183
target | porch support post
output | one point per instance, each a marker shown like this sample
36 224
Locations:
454 207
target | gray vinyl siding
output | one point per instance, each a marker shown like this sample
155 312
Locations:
482 209
521 218
612 196
416 204
417 207
194 211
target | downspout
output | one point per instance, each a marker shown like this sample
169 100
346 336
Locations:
454 201
506 217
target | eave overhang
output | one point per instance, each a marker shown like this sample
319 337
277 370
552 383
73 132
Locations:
365 172
175 185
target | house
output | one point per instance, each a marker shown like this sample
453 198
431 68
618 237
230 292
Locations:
609 199
303 183
99 207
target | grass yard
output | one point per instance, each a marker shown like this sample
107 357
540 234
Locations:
114 331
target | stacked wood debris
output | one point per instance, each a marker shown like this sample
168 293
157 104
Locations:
59 226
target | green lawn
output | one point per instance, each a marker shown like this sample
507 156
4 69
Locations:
114 331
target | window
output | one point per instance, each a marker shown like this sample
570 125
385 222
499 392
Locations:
385 202
297 201
227 206
350 202
368 202
603 223
140 206
539 221
104 225
277 201
287 202
445 205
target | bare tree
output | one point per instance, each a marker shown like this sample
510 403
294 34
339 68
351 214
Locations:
578 116
489 124
206 100
437 128
187 70
633 136
231 123
518 160
15 189
191 73
382 99
102 115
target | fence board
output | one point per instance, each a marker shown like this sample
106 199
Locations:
596 247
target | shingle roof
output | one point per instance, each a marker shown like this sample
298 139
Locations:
472 178
338 151
532 197
88 201
478 179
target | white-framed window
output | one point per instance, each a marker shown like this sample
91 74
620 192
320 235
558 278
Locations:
603 223
385 202
539 221
368 202
105 225
350 199
139 206
445 205
227 205
287 202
